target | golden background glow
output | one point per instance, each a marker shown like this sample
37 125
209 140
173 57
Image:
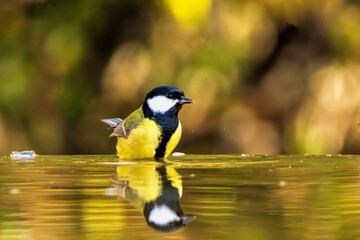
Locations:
260 84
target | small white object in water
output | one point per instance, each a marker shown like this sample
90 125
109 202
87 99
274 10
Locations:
23 155
178 154
14 191
282 183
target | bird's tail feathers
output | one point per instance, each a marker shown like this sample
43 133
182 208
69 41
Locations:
118 125
112 122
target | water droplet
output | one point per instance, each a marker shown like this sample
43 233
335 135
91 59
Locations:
14 191
282 183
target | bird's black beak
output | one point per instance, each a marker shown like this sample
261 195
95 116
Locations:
185 100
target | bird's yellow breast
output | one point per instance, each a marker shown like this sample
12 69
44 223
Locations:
141 142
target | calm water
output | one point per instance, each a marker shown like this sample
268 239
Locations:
222 197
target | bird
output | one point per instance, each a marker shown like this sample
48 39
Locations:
153 130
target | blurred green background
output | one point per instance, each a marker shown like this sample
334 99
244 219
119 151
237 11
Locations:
268 76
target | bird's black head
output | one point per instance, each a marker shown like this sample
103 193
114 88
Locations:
164 100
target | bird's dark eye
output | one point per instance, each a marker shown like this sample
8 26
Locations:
170 95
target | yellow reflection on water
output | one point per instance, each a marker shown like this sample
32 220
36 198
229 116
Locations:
155 189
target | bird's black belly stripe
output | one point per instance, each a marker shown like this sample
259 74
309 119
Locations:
160 150
168 126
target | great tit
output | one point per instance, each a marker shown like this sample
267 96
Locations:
155 190
153 130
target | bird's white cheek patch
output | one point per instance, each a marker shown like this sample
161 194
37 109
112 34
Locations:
162 215
161 104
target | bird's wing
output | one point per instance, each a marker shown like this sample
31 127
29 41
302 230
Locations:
133 120
122 128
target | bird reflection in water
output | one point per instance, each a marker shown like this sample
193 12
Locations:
156 189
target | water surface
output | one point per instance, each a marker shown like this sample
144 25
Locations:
231 196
